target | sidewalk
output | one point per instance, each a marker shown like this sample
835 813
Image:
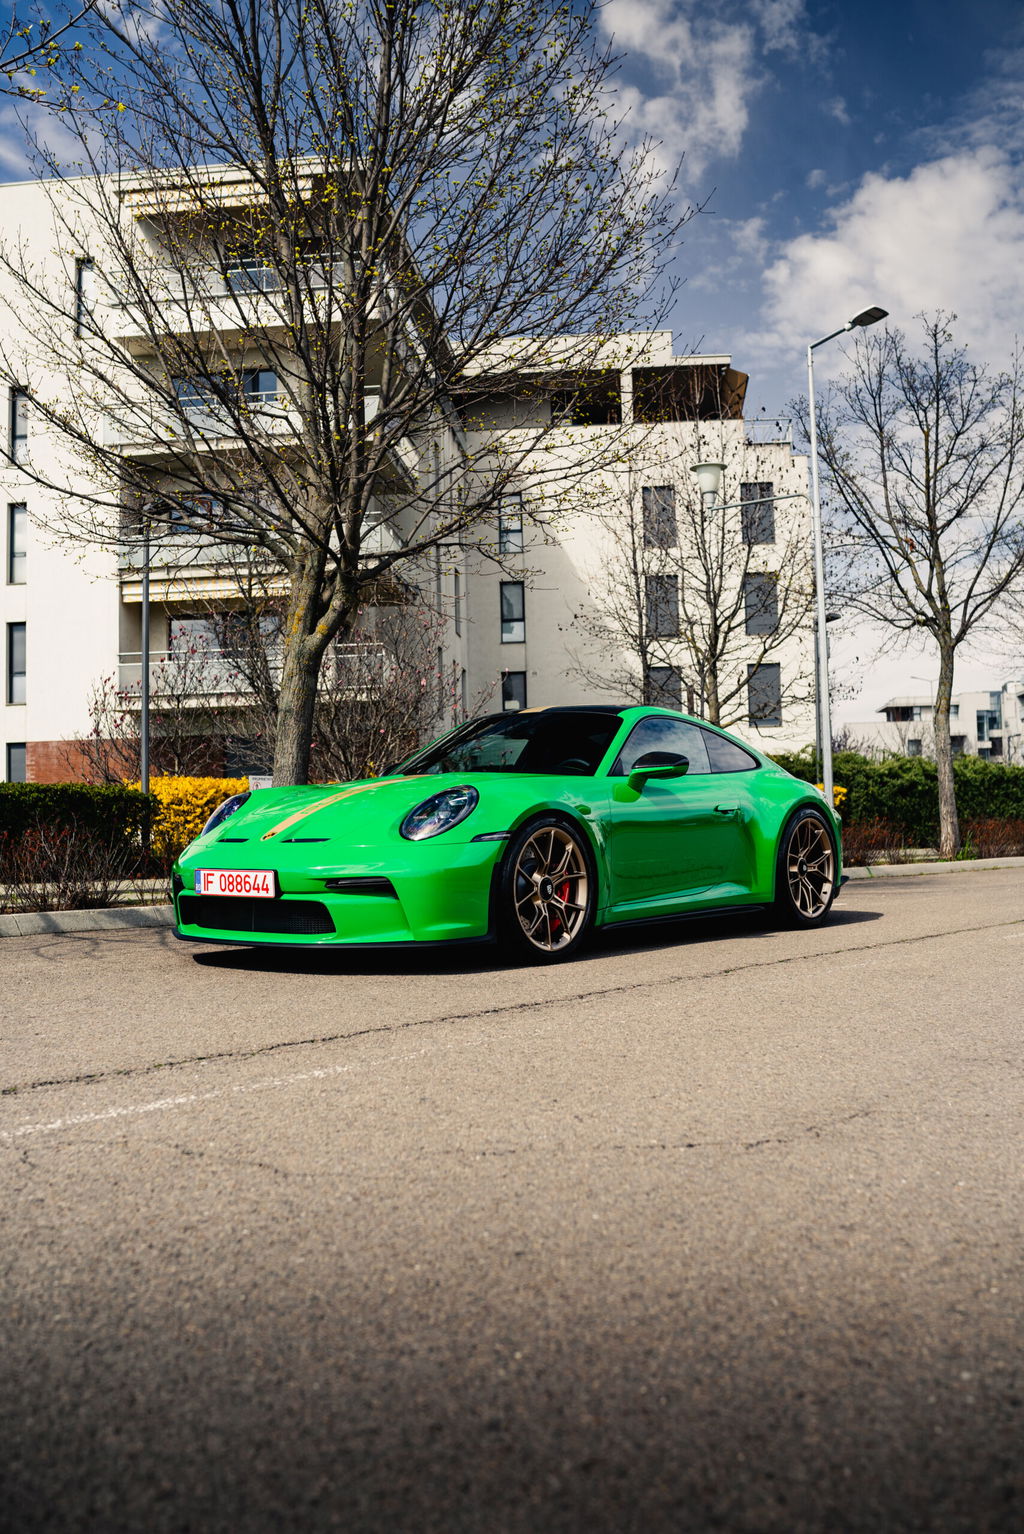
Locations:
37 923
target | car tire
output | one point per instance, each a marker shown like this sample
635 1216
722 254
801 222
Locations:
546 892
806 870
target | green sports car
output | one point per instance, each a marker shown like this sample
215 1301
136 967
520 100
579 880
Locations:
533 827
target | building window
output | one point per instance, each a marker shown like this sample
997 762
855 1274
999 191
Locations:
913 748
250 275
15 663
458 603
513 612
510 525
259 385
666 686
16 763
513 690
761 603
958 743
757 512
764 694
17 552
18 427
85 282
661 593
659 508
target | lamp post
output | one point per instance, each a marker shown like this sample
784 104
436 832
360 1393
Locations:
144 657
824 710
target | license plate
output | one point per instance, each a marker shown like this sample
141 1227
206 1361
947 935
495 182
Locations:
256 882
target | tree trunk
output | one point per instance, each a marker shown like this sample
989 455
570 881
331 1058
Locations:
295 714
949 826
712 706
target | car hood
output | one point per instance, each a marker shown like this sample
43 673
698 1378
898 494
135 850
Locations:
362 813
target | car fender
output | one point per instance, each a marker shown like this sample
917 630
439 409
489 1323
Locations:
577 820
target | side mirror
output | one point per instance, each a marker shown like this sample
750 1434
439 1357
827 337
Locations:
640 775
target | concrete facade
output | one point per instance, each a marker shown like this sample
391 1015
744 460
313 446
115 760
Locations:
989 724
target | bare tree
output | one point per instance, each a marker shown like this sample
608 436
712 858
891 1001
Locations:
307 239
215 692
191 722
696 600
26 46
925 477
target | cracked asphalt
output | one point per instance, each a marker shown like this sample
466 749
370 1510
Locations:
718 1228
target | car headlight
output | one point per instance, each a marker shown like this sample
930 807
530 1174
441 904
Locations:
222 812
439 813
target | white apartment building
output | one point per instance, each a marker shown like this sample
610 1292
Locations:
988 723
551 620
540 622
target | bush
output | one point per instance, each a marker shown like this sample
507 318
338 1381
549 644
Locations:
903 790
46 867
184 805
114 811
993 838
873 841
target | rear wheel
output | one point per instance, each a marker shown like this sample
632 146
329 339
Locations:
805 871
547 891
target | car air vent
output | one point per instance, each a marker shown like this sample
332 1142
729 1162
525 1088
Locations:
232 838
234 913
305 838
365 884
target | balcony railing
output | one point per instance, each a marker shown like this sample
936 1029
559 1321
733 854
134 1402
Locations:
766 431
358 668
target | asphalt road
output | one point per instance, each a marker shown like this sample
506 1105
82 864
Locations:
719 1228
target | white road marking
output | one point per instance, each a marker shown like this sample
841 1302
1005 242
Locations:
185 1100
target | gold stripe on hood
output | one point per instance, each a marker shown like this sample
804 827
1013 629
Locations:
322 804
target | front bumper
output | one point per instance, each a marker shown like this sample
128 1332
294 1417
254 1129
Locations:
442 893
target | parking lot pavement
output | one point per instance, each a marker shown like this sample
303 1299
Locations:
717 1228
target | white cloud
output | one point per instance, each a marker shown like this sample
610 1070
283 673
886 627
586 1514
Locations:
704 70
950 235
815 179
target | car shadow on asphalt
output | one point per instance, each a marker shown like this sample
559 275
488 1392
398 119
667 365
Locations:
488 958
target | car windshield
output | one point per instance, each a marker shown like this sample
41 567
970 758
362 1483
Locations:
566 742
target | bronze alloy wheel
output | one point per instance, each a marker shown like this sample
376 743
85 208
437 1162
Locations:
810 865
550 888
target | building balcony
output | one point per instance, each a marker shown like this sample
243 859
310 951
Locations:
150 430
247 298
188 676
765 432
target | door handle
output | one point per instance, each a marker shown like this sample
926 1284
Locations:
726 809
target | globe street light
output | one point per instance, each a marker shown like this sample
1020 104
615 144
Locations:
824 709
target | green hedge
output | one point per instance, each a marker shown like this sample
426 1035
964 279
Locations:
106 811
904 790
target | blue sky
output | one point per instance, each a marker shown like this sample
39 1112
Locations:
849 155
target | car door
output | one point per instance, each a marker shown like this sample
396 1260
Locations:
675 841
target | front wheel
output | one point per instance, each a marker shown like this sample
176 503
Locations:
805 870
547 891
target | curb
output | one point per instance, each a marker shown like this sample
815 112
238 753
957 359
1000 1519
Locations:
113 919
911 870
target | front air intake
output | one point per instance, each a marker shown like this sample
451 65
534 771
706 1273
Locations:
235 913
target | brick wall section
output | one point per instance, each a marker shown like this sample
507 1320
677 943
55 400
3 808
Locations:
56 761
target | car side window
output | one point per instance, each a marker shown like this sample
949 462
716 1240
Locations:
661 734
726 755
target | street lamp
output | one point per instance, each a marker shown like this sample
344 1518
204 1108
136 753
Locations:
824 710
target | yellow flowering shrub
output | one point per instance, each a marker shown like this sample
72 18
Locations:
184 807
839 794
